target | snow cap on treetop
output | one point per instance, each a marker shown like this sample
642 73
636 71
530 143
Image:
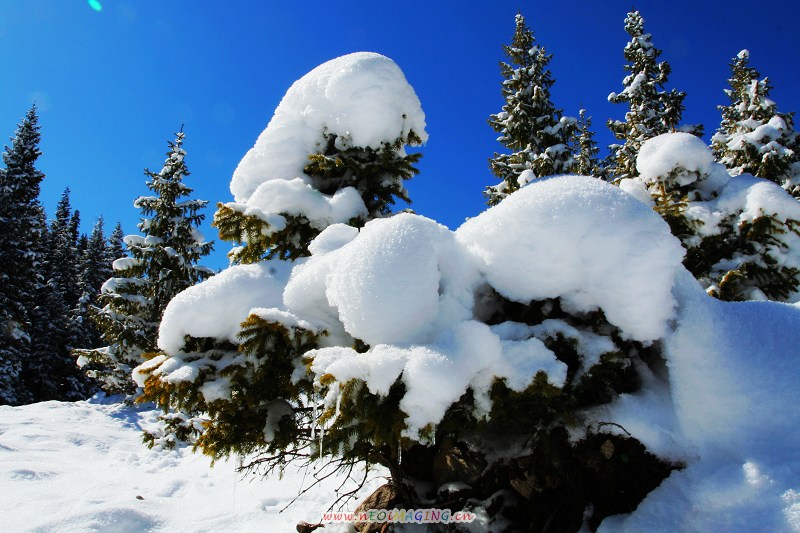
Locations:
669 152
362 98
594 246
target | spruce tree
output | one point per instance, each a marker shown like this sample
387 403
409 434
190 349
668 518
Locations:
269 352
651 109
530 125
115 246
162 262
741 233
22 229
754 137
377 174
585 148
50 371
256 393
94 270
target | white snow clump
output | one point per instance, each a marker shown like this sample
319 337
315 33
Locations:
362 98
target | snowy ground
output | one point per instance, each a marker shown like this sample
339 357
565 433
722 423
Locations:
81 467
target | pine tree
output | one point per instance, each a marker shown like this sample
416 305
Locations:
115 247
741 233
268 352
95 269
529 125
585 148
44 367
754 137
162 263
256 393
651 109
378 176
22 229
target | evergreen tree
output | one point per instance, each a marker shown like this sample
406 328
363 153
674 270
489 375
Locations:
50 372
651 109
741 233
268 352
529 124
754 137
377 174
257 394
585 148
115 247
162 263
95 269
22 229
63 256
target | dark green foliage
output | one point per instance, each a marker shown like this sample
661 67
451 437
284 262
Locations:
94 269
161 264
50 371
585 148
651 110
564 479
754 137
758 240
257 373
22 230
559 480
257 240
377 174
530 125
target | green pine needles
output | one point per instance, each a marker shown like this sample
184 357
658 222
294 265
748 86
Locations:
162 263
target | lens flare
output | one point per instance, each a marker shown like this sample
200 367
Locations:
95 4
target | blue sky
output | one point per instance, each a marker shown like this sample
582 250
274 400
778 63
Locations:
113 85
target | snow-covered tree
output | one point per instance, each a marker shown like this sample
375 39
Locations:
115 247
585 162
50 371
348 172
651 109
94 270
754 137
530 125
404 344
22 229
741 233
288 192
162 263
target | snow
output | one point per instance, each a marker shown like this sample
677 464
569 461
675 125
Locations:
217 307
296 197
386 283
411 289
723 204
673 152
724 405
727 411
78 467
362 98
407 287
585 241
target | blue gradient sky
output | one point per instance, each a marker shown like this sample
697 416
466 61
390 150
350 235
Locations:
113 85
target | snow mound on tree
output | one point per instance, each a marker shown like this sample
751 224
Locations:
406 286
674 152
393 283
362 98
584 241
217 307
